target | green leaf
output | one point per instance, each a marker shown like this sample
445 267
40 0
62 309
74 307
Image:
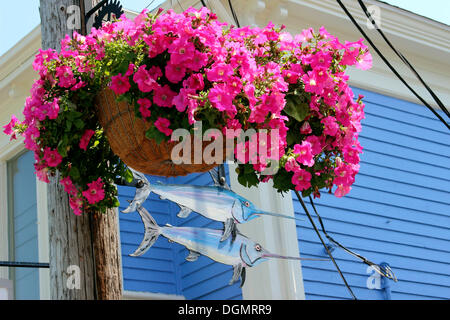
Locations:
296 108
282 181
72 115
291 137
155 134
116 203
62 148
128 176
79 123
68 125
74 173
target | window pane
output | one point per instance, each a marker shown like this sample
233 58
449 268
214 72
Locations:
23 226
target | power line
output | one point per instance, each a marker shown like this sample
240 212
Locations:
151 2
390 65
234 14
324 245
403 58
382 270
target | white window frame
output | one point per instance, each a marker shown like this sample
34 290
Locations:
12 150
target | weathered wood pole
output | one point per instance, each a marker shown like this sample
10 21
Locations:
88 242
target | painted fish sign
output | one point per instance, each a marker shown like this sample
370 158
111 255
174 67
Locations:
240 253
216 202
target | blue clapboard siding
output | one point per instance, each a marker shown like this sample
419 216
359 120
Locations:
155 271
397 212
24 233
163 268
204 278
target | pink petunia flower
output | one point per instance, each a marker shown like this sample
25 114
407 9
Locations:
304 153
120 84
364 62
144 107
162 124
144 80
301 180
342 191
194 82
68 185
316 145
52 157
65 76
164 96
77 205
331 128
305 128
343 175
42 174
175 73
312 84
9 128
95 192
219 72
220 97
84 141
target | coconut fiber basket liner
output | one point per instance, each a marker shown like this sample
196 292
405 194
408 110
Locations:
126 136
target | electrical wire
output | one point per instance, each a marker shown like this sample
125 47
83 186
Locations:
390 65
324 245
234 14
151 2
403 58
384 271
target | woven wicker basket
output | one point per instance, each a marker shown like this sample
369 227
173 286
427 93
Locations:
126 136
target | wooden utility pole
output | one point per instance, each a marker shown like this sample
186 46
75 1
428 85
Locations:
88 243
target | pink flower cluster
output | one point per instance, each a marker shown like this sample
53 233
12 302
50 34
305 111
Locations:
177 69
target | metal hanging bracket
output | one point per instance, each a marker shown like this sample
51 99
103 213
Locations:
106 9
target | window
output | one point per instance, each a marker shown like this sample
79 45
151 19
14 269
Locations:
23 228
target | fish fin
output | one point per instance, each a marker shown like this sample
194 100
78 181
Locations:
142 193
229 226
234 233
217 175
193 256
184 212
243 273
152 232
237 271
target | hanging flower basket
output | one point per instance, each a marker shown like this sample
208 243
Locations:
115 98
126 136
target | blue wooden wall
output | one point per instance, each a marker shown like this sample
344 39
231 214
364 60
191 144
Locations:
397 212
163 268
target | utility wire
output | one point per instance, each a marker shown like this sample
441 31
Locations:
384 271
234 14
14 264
403 58
324 245
151 2
390 66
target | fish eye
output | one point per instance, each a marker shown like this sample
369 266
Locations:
257 247
247 204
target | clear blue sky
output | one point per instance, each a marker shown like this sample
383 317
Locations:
16 21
